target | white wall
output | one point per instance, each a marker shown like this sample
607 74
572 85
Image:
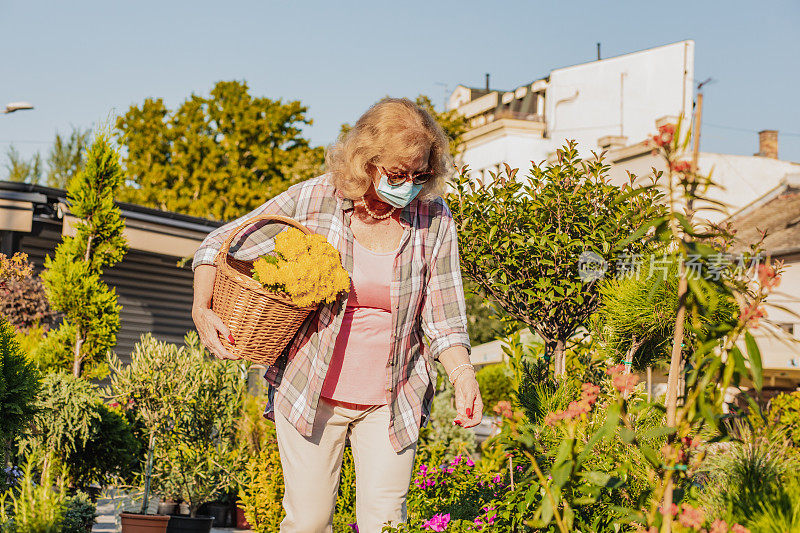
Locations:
588 101
517 150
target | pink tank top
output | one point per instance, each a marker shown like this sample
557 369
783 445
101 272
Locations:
357 372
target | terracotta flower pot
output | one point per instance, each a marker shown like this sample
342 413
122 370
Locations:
143 523
241 521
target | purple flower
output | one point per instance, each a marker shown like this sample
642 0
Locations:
354 527
438 522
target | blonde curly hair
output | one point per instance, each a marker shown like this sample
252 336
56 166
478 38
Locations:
393 129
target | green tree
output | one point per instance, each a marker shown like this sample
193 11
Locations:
72 276
19 384
218 156
21 170
66 157
529 244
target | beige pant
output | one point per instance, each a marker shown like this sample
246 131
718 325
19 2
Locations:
311 467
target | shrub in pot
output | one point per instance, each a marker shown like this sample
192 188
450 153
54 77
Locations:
199 457
151 388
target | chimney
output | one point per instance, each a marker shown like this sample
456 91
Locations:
487 81
768 143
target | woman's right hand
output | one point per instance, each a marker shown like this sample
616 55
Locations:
209 327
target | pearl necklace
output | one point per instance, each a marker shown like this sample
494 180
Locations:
373 215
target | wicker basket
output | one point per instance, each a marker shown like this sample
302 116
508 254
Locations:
261 321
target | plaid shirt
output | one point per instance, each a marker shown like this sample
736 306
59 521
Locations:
426 293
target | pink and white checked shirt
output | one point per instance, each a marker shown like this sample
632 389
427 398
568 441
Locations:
427 300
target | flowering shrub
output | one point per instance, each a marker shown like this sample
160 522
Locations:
451 495
306 267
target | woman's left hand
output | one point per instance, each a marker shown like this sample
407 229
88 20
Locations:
468 400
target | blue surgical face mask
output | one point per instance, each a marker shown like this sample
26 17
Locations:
397 195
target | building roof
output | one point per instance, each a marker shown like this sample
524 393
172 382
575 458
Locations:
777 213
39 194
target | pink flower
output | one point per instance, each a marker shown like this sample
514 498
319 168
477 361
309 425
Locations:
470 462
438 522
614 370
719 526
691 517
626 383
673 509
497 479
738 528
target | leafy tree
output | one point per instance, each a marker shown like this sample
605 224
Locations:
218 156
72 276
19 385
64 161
66 157
530 244
21 170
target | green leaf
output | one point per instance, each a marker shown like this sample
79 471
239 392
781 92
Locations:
754 355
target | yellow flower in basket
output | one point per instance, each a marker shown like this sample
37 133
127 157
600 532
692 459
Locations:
305 267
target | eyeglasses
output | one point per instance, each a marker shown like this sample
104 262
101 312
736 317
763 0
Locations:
398 178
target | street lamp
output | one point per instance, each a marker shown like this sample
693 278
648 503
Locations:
17 106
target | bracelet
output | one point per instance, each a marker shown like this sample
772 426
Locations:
450 375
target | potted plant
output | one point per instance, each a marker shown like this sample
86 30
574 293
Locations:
151 387
199 456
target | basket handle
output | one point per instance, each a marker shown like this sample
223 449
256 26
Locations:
271 218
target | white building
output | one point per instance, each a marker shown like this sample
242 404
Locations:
616 98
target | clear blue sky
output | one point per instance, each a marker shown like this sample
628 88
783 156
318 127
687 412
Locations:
81 62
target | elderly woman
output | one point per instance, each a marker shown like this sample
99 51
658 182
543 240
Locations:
358 368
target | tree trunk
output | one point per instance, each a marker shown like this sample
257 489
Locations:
77 358
560 358
672 390
148 472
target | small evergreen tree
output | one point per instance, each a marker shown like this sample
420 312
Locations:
72 277
19 383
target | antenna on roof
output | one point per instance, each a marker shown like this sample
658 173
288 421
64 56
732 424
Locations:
598 51
487 81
